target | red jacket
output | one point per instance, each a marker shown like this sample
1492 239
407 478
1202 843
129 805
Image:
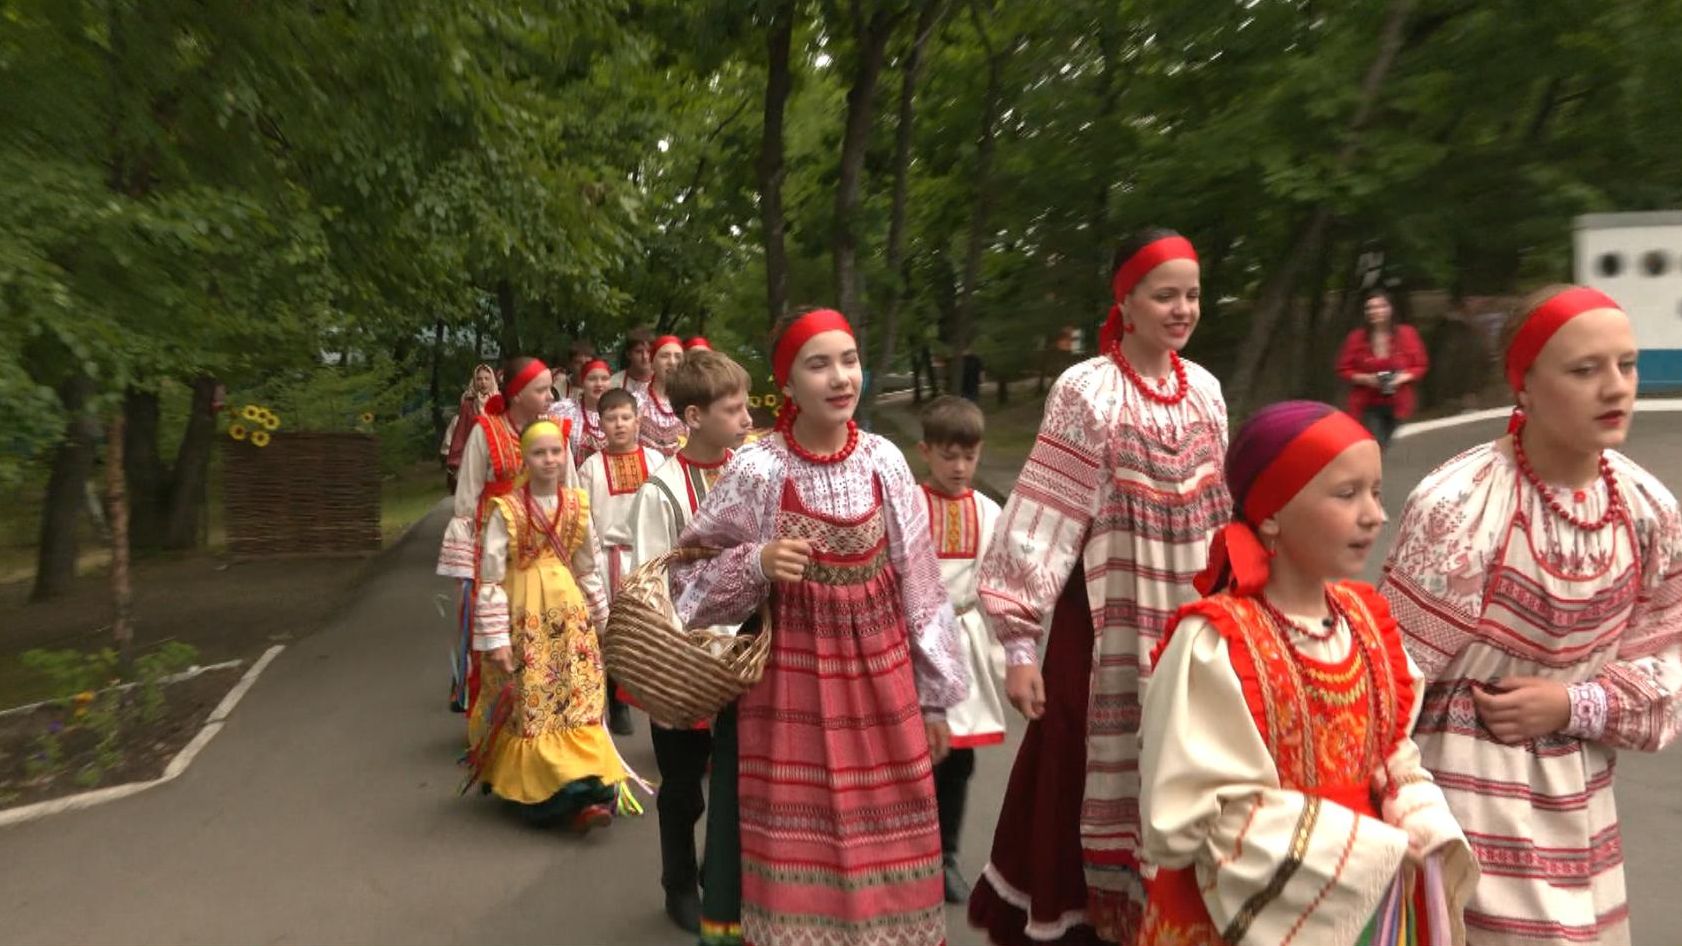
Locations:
1407 353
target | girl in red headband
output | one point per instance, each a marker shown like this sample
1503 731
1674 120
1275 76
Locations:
1539 581
659 426
1107 525
1275 762
489 462
839 836
595 377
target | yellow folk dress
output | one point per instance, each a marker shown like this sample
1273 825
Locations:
537 734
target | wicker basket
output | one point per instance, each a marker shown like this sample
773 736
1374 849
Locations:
678 677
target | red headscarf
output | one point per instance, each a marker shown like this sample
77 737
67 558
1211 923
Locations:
663 341
1276 453
498 403
597 364
697 342
1539 326
1137 267
804 329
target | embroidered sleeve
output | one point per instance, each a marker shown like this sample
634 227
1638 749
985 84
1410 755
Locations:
455 555
1273 865
1041 533
738 517
490 604
941 679
1434 578
1635 700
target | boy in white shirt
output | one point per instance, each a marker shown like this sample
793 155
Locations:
709 392
962 521
612 478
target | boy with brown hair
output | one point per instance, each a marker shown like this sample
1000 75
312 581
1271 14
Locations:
612 478
709 392
961 521
636 365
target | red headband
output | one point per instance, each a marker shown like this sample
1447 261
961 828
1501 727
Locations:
1305 456
498 403
1139 265
804 329
698 342
1236 556
1543 322
592 366
665 340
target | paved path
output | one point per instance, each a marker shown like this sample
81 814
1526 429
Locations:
325 812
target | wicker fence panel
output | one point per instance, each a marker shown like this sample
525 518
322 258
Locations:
303 494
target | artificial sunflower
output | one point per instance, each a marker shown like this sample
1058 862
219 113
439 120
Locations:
771 400
237 431
367 417
754 400
271 420
251 412
259 438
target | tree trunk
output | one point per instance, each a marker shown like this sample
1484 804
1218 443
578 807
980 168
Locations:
870 39
1276 294
963 320
888 331
508 338
147 478
117 510
778 81
55 563
192 463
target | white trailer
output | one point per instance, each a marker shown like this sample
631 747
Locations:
1636 258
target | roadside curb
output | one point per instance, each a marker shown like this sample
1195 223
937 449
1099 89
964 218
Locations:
183 759
1655 406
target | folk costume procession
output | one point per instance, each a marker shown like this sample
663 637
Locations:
1229 740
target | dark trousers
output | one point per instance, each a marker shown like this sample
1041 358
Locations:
1380 421
951 793
682 756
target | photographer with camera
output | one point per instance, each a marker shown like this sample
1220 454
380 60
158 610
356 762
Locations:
1381 362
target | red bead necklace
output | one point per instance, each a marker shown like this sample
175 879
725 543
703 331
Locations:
655 398
1613 500
1149 390
785 426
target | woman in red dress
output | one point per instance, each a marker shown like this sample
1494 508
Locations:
1382 362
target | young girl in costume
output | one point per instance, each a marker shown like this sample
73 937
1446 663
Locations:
832 751
1281 798
489 462
536 731
472 405
660 427
1114 511
1538 579
583 414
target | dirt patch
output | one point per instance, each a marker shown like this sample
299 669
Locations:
53 751
225 609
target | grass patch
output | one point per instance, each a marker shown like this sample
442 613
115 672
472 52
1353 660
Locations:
407 496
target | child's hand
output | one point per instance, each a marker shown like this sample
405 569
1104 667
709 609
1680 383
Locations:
785 559
1026 690
502 659
1523 708
940 739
